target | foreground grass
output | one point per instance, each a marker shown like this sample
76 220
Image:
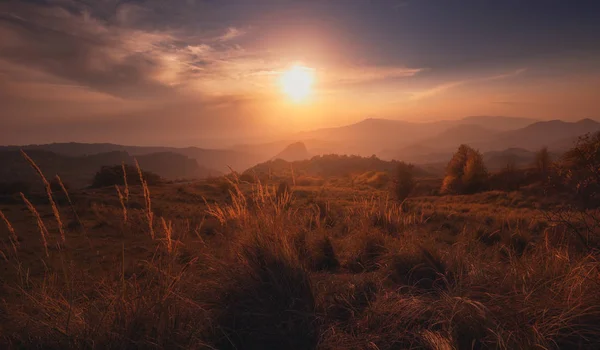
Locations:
244 266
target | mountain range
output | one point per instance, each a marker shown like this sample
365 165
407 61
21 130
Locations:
78 171
416 142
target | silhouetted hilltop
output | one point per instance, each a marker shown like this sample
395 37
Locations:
295 151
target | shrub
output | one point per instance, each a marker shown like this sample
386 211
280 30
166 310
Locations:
405 182
322 255
113 175
370 248
419 268
465 173
266 301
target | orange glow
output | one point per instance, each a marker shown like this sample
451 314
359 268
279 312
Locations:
297 82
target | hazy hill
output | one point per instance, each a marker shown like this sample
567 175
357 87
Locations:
385 137
370 136
218 159
264 150
293 152
499 123
419 143
557 135
444 144
78 171
532 137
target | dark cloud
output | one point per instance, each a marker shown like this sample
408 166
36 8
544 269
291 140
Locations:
79 49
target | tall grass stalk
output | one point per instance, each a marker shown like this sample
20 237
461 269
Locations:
40 223
147 200
48 193
14 240
123 206
64 189
168 228
126 192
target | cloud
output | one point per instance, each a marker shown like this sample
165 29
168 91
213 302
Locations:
354 75
111 53
447 86
82 50
437 89
231 33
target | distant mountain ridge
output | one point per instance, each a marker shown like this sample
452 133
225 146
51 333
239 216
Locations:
217 159
377 136
416 142
78 171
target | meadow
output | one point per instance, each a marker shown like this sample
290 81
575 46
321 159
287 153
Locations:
238 262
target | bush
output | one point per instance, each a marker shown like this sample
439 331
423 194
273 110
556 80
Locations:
405 182
322 255
370 248
465 173
113 175
266 301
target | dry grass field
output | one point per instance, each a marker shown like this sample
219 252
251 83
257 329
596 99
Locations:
230 264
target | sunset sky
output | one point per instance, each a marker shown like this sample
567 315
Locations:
208 72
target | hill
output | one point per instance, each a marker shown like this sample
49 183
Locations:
555 134
499 123
532 137
441 146
295 151
218 159
78 171
332 165
387 138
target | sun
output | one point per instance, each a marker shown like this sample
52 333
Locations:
297 82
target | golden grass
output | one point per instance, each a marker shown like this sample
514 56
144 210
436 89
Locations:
66 193
168 228
370 274
41 226
123 205
125 183
48 193
147 200
14 239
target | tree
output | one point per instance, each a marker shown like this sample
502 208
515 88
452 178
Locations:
465 173
542 161
405 181
579 170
